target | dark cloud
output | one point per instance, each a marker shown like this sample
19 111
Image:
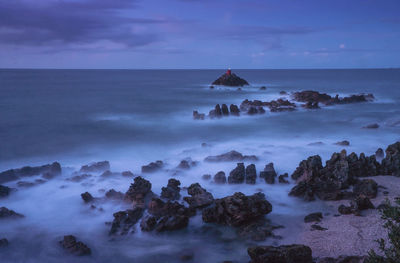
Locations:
51 22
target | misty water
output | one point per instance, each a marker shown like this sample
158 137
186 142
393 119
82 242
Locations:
133 117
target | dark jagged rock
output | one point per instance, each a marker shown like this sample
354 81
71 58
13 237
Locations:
310 96
148 223
74 247
79 178
231 80
220 178
318 228
311 105
3 242
107 173
251 174
139 192
216 112
232 156
198 116
199 196
4 191
87 197
237 175
14 174
282 178
281 254
95 167
186 164
269 174
152 167
172 190
125 220
234 110
313 217
345 210
237 210
391 162
206 177
211 87
367 187
308 167
371 126
112 194
225 110
379 154
8 213
159 208
343 143
256 106
127 174
360 203
172 223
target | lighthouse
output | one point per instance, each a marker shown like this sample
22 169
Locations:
228 72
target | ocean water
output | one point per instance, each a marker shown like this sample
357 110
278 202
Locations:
133 117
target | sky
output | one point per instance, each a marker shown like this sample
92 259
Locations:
199 34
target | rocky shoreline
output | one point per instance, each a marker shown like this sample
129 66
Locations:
354 185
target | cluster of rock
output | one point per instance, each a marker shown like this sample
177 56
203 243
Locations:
232 156
231 80
310 100
48 171
74 247
166 213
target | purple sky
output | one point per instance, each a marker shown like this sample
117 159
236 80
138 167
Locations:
199 33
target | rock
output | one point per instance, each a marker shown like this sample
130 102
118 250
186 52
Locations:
234 110
112 194
345 210
308 167
27 171
256 231
225 110
316 144
70 244
171 223
318 228
237 210
251 174
79 178
311 105
125 220
282 178
127 174
107 173
313 217
211 87
310 96
186 255
361 202
220 178
206 177
87 197
184 165
282 92
343 143
159 208
230 80
255 110
171 192
4 191
152 167
199 196
367 187
198 116
8 213
148 223
25 184
281 254
237 175
3 242
268 174
232 156
371 126
139 192
391 163
95 167
263 88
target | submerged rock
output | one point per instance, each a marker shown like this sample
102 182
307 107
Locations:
152 167
269 174
27 171
198 116
199 196
74 247
6 213
251 174
79 178
343 143
172 190
4 191
87 197
230 79
112 194
371 126
125 220
237 210
313 217
3 242
220 178
95 167
281 254
232 156
237 175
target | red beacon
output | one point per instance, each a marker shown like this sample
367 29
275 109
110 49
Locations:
228 72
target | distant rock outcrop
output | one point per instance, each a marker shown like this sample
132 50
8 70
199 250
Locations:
230 79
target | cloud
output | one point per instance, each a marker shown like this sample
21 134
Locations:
62 22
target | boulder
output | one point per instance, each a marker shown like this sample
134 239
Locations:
225 110
198 116
231 80
360 203
87 197
234 110
268 174
318 228
115 195
391 162
258 230
139 192
281 254
220 178
4 191
343 143
74 247
232 156
313 217
27 171
308 167
199 196
3 242
148 223
263 88
152 167
127 174
379 154
372 126
311 105
79 177
125 220
251 174
206 177
367 187
95 167
237 210
171 192
282 178
6 213
237 175
172 223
